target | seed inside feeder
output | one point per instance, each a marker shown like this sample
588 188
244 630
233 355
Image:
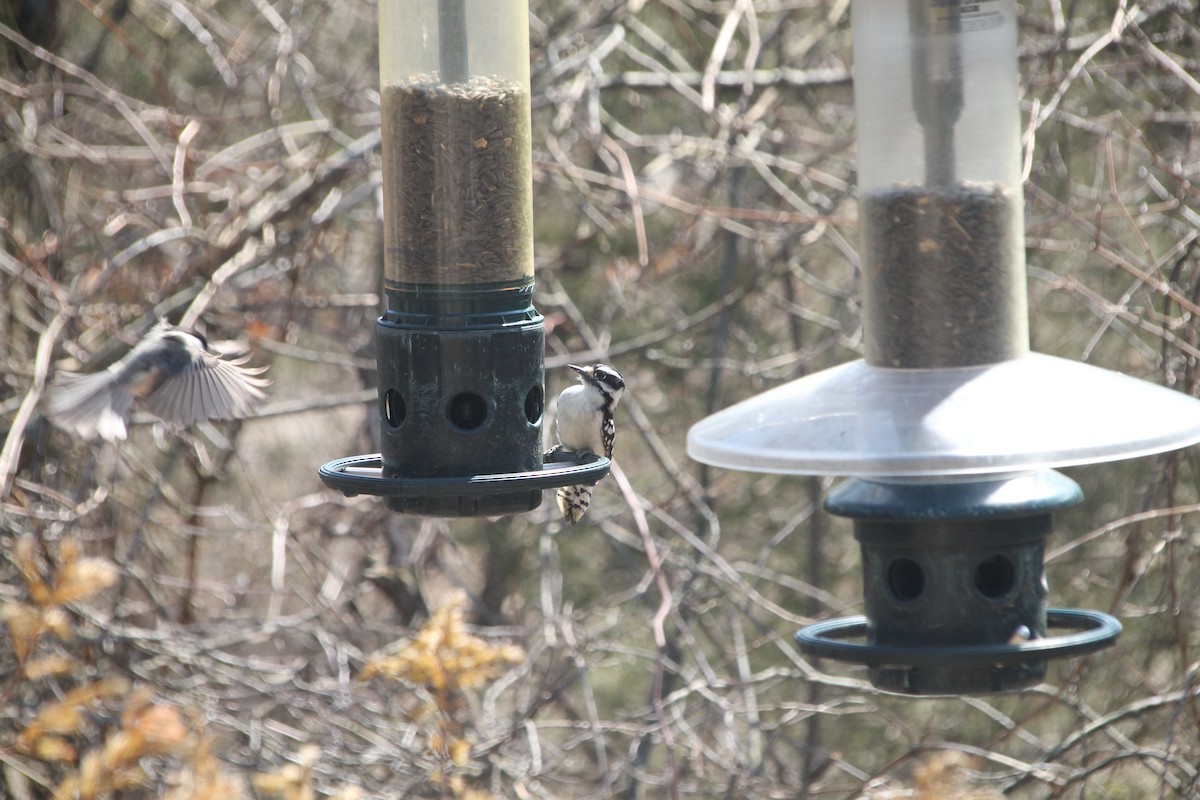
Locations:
458 200
946 285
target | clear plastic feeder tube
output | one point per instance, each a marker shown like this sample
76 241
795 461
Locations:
940 182
460 347
456 144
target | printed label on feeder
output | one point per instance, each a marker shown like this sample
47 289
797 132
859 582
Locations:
963 16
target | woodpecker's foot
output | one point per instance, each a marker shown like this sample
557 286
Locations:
558 454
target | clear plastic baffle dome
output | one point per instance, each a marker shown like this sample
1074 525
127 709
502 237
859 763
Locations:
948 386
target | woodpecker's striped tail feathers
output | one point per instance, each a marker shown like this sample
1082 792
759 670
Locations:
573 501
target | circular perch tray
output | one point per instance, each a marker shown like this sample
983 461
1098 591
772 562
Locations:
357 475
1091 631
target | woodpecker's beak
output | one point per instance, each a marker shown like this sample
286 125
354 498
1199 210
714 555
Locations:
578 368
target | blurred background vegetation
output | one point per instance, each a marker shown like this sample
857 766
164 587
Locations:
696 227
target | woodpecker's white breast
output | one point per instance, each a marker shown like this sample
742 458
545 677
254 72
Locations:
579 418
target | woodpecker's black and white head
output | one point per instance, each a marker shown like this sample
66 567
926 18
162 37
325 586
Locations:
604 378
169 372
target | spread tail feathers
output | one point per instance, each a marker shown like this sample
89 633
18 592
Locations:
90 405
573 501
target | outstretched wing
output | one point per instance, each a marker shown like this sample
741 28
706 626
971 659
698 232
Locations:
210 388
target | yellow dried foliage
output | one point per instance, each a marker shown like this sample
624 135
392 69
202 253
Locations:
48 667
82 577
25 628
56 621
460 752
147 729
291 782
61 717
201 777
27 625
65 717
27 562
76 579
153 728
455 749
457 786
52 748
445 657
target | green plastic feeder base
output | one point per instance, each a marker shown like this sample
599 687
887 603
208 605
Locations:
954 585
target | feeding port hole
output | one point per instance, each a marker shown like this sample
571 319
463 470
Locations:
393 408
995 577
535 405
467 411
906 579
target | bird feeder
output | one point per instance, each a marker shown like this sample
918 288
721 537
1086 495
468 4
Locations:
949 427
460 346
